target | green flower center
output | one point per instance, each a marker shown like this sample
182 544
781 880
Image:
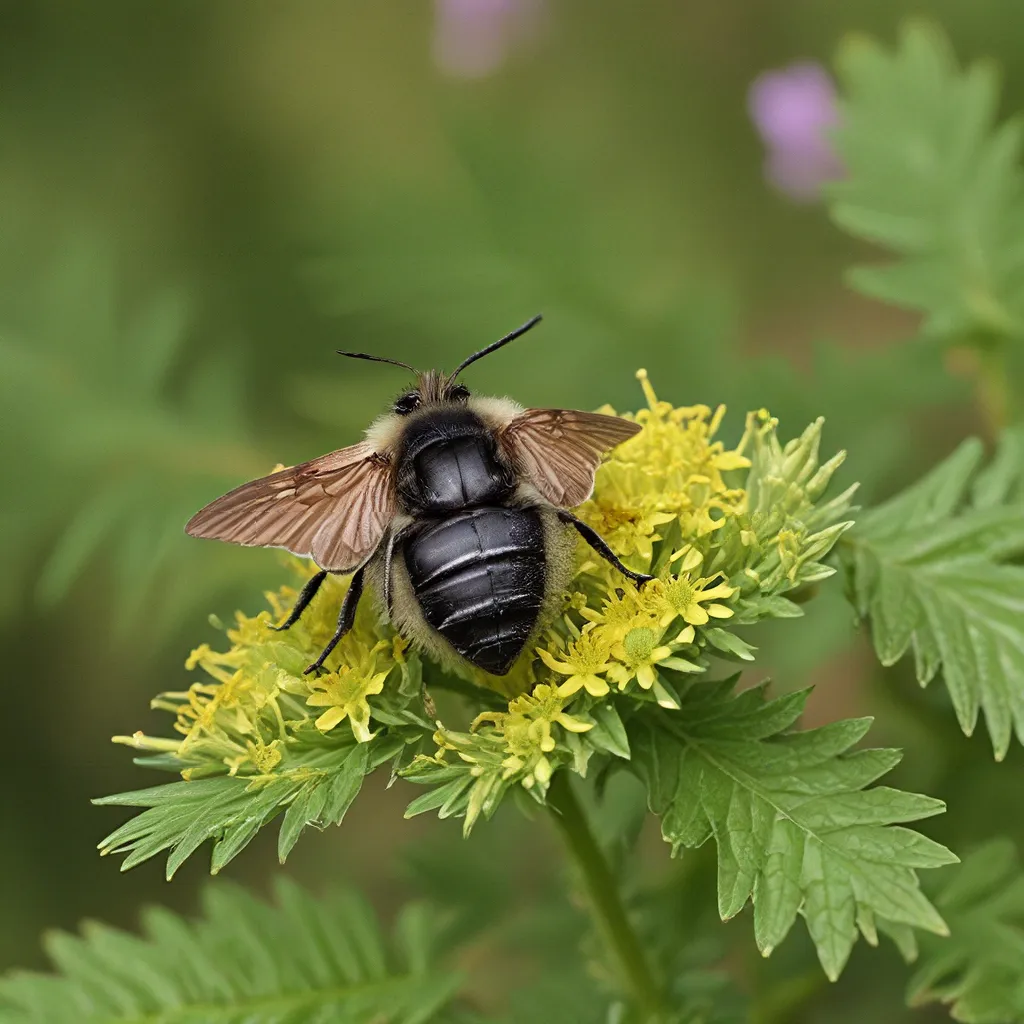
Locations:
639 644
680 593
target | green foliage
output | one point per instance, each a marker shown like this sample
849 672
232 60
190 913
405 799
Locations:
795 827
929 569
933 179
979 970
303 961
110 450
316 789
253 745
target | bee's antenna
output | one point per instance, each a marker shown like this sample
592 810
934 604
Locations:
494 346
376 359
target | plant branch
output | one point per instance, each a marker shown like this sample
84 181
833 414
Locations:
609 915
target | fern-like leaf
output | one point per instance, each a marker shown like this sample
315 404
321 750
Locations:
317 789
795 827
107 453
933 179
979 970
303 961
927 568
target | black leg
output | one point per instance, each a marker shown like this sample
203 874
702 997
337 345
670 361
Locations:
389 554
596 541
346 618
306 595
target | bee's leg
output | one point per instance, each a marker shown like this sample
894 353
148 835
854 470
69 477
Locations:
346 618
596 541
306 595
389 554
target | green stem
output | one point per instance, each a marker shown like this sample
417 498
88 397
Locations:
606 907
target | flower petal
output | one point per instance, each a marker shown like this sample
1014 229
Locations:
562 667
572 724
330 718
695 615
570 686
685 636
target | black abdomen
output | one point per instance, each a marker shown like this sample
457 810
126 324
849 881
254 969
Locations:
479 578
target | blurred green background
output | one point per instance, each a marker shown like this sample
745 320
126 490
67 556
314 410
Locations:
200 201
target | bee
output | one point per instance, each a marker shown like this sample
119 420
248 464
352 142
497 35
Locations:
454 507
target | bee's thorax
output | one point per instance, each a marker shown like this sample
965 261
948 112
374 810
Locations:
448 460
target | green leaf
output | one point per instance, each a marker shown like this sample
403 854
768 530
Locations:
932 178
302 961
181 816
465 789
795 827
927 568
98 407
979 970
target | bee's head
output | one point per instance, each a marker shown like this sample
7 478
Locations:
436 388
432 388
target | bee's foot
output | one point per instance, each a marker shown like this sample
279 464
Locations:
641 578
316 668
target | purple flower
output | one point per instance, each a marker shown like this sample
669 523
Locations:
793 110
472 38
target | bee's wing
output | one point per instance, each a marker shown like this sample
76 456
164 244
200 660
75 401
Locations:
559 450
334 509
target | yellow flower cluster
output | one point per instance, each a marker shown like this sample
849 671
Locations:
256 702
659 501
720 529
527 729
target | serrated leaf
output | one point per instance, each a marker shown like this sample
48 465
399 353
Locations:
927 569
303 960
179 817
796 830
979 970
931 177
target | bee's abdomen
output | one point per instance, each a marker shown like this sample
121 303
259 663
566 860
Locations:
479 579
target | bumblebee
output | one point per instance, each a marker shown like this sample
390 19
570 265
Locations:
454 507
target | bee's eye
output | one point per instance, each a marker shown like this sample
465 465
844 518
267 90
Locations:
459 393
407 403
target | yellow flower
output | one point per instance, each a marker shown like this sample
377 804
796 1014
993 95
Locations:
682 597
672 469
638 653
344 695
526 728
623 610
264 756
584 659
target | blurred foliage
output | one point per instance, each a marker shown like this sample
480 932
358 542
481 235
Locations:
107 452
934 180
306 960
978 971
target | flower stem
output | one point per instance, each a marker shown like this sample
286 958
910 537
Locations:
609 915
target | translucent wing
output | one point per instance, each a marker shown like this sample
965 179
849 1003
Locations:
559 450
334 509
